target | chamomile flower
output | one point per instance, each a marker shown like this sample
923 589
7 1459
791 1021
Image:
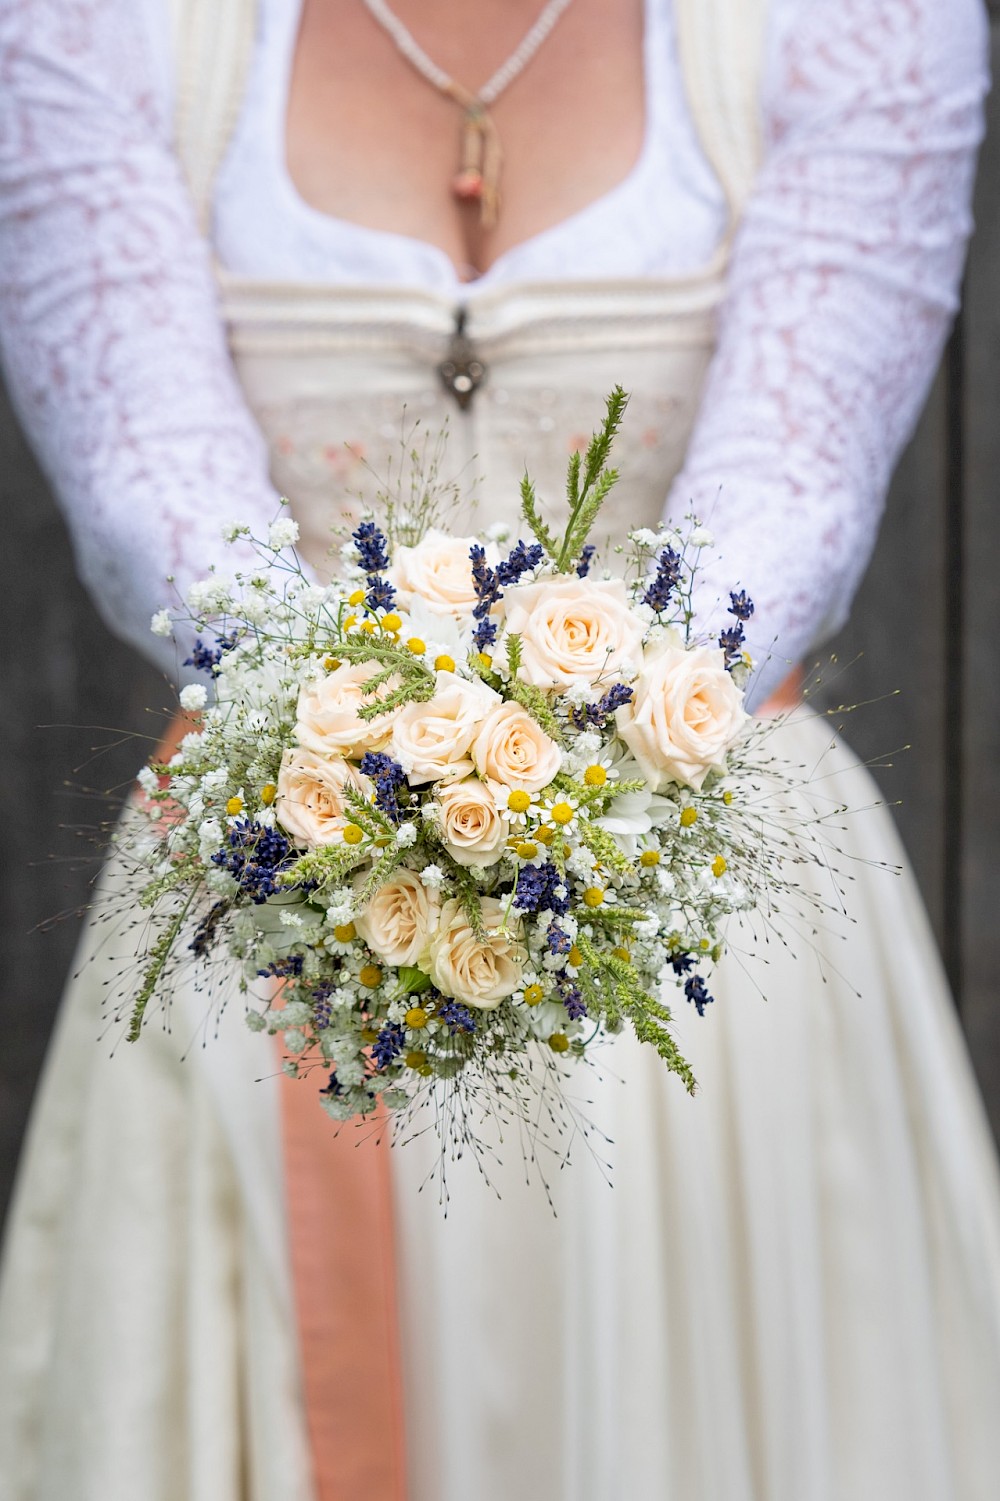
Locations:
558 811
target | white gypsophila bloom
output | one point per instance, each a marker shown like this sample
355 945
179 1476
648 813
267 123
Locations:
665 881
291 919
350 1072
644 537
255 1020
161 624
219 882
578 693
256 608
647 928
193 697
581 862
282 533
210 833
148 780
233 530
701 537
296 1041
296 1014
406 835
210 596
215 780
432 876
498 531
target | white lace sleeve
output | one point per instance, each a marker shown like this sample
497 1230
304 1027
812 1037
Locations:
843 285
112 346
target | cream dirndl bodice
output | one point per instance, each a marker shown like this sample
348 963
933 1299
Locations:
336 375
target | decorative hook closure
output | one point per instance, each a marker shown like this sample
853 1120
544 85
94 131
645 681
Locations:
461 371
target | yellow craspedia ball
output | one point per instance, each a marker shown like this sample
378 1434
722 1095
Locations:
561 813
357 597
519 802
595 776
234 806
416 1017
444 663
392 621
345 932
559 1042
353 834
268 793
689 816
416 1059
719 866
649 858
533 995
527 850
593 896
416 646
370 976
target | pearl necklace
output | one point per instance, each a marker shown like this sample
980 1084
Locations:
478 176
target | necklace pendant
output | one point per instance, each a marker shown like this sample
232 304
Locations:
461 372
467 185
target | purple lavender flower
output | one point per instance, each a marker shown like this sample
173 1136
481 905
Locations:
694 989
665 580
373 549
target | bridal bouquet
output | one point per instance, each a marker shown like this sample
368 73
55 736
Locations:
475 805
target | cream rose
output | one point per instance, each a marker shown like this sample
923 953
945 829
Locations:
461 966
437 570
310 801
472 826
328 718
573 629
512 748
431 740
399 919
685 713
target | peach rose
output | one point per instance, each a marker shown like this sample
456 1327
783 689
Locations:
431 740
399 919
461 966
512 748
328 719
685 713
310 801
473 828
573 629
439 571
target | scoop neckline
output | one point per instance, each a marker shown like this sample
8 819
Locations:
447 278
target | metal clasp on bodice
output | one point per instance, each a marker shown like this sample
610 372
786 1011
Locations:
461 371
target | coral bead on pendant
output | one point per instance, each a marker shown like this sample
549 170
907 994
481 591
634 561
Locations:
467 185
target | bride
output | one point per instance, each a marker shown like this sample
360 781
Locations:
237 238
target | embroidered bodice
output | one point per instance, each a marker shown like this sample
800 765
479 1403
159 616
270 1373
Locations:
842 282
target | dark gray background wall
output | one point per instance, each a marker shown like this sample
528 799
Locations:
73 699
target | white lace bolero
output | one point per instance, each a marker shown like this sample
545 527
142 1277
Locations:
843 282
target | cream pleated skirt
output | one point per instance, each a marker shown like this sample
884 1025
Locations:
788 1291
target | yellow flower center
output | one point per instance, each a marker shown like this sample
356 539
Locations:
561 813
351 620
234 806
368 1036
416 646
345 932
595 776
533 995
370 976
268 793
416 1017
593 896
392 621
649 858
574 957
623 955
719 866
519 802
485 660
544 835
727 798
527 850
331 663
559 1042
689 816
353 834
368 626
415 1058
444 663
357 598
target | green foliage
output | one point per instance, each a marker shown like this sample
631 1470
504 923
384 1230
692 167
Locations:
158 957
603 845
329 865
534 701
623 995
382 871
533 518
416 682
